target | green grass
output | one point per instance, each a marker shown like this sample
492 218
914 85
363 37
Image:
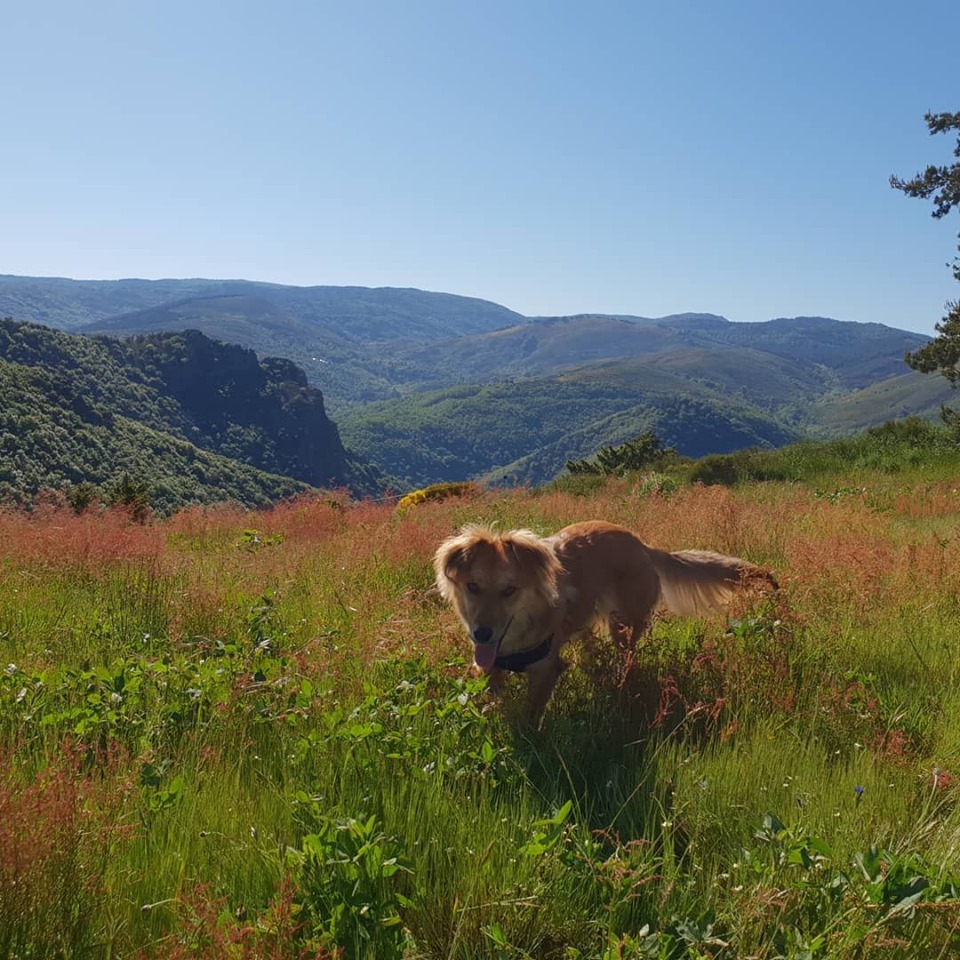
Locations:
255 736
899 447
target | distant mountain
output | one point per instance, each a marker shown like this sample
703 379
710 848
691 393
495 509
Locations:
352 372
859 353
259 323
360 344
66 304
197 420
854 354
345 338
355 314
434 386
536 347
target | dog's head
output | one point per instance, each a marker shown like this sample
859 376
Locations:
503 586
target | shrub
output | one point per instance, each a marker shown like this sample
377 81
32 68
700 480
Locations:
438 492
81 496
636 454
131 493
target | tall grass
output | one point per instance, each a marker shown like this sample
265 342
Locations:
255 735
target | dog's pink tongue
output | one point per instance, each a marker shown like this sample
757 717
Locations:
485 655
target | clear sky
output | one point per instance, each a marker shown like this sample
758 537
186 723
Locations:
556 157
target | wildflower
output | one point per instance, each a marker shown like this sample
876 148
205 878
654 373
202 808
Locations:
858 790
942 779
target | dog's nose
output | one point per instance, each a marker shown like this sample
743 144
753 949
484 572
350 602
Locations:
482 635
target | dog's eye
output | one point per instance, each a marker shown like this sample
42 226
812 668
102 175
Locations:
508 591
473 587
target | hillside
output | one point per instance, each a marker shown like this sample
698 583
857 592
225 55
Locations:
859 353
268 328
819 356
909 394
345 338
359 314
393 365
689 379
197 420
854 354
539 347
360 344
527 430
67 304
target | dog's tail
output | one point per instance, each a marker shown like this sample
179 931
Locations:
697 582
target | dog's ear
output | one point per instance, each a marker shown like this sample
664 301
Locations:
450 556
537 562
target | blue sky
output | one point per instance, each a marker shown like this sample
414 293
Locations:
556 157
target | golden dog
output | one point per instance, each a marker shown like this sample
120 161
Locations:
522 597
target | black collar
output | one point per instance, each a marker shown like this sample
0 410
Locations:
519 661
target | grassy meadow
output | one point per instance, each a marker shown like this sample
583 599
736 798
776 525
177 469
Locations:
256 735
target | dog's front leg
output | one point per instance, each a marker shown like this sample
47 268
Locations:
496 679
541 679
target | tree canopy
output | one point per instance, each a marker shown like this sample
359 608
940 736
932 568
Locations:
941 184
637 454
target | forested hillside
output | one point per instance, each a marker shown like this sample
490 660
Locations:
195 419
345 338
360 344
841 354
526 431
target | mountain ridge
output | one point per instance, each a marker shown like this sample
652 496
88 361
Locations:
387 359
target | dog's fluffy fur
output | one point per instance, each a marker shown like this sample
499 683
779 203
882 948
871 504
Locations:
516 590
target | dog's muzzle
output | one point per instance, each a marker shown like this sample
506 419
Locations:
485 648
